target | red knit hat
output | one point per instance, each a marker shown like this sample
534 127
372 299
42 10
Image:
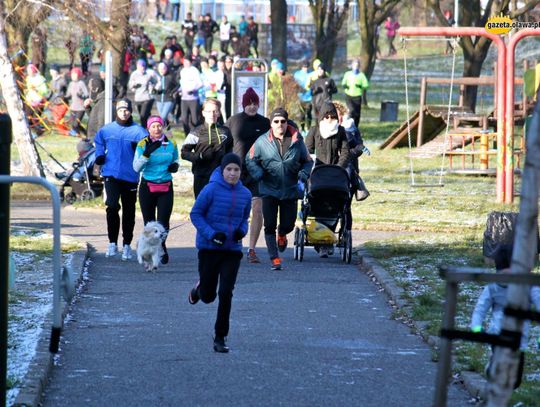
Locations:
250 97
77 71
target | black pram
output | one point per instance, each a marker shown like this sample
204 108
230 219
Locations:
324 210
81 179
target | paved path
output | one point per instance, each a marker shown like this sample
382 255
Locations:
317 333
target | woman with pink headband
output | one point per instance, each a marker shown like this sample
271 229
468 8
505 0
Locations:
156 158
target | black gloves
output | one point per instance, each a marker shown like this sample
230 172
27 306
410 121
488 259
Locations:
100 160
151 147
193 92
173 167
238 235
207 154
137 85
219 238
358 85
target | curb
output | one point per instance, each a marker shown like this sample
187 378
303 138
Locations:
40 368
473 382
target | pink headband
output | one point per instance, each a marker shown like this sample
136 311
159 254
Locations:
154 119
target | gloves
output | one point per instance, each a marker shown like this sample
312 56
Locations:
207 154
358 85
366 151
151 147
302 177
193 92
345 86
219 238
477 329
238 235
137 85
173 167
100 160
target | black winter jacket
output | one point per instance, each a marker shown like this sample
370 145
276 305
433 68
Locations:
205 147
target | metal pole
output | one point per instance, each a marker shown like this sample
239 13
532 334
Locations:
456 12
5 163
445 354
108 87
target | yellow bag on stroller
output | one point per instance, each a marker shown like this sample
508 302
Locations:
318 232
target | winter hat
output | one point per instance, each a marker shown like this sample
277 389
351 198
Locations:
230 158
279 112
503 256
77 71
316 63
327 108
153 119
141 62
124 104
54 67
250 96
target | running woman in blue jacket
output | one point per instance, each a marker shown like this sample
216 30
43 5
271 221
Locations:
156 157
220 215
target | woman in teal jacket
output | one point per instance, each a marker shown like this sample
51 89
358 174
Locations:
157 158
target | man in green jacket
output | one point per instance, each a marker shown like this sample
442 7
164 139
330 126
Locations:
355 83
277 160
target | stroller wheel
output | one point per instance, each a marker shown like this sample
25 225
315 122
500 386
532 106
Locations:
296 233
301 241
71 198
346 251
88 195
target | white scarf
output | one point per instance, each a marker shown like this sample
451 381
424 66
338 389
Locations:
328 129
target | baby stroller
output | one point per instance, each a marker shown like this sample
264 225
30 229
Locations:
81 179
323 211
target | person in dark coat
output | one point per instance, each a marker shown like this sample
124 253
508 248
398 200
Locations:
246 127
322 90
329 141
278 160
220 215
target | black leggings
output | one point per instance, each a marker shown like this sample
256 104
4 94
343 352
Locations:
199 182
189 114
219 265
354 104
126 192
144 109
150 201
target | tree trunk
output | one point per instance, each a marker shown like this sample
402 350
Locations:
368 38
119 28
21 133
279 30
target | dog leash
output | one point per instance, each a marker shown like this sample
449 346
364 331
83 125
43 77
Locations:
178 226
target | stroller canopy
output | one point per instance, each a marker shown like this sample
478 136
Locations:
329 178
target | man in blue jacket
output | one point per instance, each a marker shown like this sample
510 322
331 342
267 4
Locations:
277 160
115 148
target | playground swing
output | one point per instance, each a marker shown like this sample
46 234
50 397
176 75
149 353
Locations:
411 165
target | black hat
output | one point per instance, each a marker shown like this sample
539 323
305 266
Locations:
124 104
305 64
503 256
230 158
279 112
55 67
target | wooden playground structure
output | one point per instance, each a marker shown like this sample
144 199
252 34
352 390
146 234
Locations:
471 137
502 120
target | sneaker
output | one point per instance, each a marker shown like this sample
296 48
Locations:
112 250
220 345
164 256
126 253
323 253
252 256
276 264
282 243
193 296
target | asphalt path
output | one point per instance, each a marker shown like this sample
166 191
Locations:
317 333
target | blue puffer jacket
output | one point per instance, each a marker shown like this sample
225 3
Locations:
278 176
117 143
221 207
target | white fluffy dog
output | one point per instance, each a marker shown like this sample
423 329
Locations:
149 245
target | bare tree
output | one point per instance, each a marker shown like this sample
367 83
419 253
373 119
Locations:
475 50
113 33
21 132
371 15
328 18
279 29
